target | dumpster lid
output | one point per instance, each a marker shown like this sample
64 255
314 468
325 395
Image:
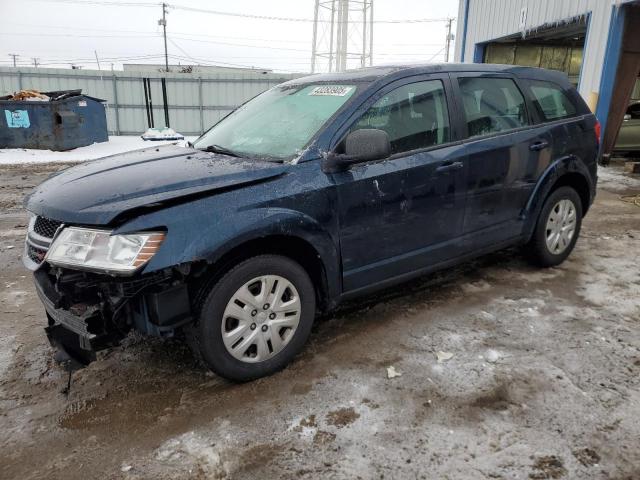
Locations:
57 95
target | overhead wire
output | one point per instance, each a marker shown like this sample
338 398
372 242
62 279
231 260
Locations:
231 14
188 36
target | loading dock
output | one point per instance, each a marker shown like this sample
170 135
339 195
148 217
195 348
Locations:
593 41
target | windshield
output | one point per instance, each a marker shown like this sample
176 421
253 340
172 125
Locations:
278 123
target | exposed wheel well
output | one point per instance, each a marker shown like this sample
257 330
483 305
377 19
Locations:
579 184
294 248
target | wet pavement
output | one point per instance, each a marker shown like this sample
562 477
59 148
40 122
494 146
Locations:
542 381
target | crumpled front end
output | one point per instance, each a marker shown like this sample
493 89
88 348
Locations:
88 311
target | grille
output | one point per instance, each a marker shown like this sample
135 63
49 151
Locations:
35 254
45 227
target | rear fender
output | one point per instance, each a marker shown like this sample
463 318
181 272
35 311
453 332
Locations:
561 167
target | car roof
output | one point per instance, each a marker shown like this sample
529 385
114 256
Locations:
371 74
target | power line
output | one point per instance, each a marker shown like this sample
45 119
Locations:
100 2
152 34
436 54
269 47
294 19
182 50
21 34
66 61
230 14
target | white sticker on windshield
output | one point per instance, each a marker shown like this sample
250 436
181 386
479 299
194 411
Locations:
332 90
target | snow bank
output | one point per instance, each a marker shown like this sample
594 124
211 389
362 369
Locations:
116 144
615 179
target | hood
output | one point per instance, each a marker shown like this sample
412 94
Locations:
96 192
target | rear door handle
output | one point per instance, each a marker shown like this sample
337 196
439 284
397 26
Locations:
449 166
541 145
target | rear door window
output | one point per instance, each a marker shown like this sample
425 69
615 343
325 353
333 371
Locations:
492 105
551 101
415 116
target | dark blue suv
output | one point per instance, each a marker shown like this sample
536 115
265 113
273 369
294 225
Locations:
318 190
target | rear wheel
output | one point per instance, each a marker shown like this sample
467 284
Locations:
557 228
256 318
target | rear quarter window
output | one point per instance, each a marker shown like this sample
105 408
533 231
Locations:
551 101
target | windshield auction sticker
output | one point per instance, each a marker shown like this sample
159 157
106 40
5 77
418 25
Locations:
331 90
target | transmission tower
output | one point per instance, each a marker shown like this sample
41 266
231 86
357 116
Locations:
342 35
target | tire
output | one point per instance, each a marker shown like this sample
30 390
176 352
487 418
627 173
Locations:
538 249
253 356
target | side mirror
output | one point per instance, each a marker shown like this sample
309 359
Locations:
364 145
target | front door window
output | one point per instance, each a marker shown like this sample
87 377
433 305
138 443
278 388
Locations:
415 116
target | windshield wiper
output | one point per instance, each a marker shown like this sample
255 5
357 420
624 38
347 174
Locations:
220 149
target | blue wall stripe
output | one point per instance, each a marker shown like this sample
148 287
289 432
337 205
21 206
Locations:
584 50
478 53
611 59
464 29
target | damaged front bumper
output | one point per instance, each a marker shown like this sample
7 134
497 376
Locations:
88 312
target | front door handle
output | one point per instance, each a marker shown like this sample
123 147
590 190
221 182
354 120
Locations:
449 166
537 146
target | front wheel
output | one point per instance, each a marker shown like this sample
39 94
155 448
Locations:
557 228
256 318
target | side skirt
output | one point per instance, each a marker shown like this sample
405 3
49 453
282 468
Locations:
430 269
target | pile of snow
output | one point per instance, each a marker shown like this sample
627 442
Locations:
614 178
116 144
163 133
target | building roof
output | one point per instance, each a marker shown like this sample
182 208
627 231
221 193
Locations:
186 68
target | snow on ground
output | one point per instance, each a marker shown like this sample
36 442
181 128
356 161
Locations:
614 178
116 144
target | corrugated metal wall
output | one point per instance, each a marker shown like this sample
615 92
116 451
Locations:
195 101
491 19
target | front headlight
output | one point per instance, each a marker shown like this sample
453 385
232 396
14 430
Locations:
100 250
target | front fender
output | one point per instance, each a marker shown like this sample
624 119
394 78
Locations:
200 239
560 167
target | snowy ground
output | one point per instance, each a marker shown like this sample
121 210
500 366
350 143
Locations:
507 372
617 180
116 144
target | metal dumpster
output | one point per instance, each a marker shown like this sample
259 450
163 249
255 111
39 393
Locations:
68 119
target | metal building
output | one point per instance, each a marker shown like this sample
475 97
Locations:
595 42
189 68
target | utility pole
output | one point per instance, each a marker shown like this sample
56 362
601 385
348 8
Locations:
343 38
163 22
314 43
97 60
448 41
14 58
35 62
